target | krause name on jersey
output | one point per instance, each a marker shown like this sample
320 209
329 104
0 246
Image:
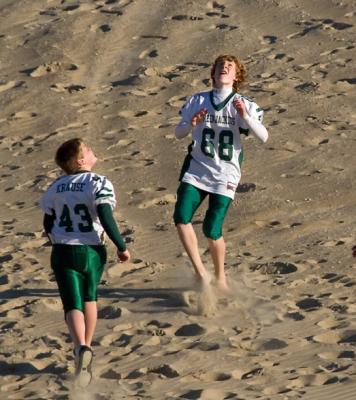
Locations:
73 201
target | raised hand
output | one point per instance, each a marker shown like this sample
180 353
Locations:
199 117
240 107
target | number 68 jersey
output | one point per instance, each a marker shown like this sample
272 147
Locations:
73 200
215 154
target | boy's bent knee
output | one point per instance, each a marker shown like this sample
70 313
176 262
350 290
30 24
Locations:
212 232
181 218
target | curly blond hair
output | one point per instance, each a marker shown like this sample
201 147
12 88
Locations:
240 70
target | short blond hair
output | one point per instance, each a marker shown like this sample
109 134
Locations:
240 70
68 154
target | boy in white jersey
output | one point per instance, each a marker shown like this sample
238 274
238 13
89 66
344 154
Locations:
77 211
212 167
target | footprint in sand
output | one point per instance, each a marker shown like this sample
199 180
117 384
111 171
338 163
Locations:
271 344
269 39
309 304
164 371
348 337
307 87
309 380
73 88
318 24
10 85
185 17
226 27
113 10
111 312
121 143
213 376
346 354
132 114
177 101
4 279
138 161
49 68
161 226
159 201
124 340
38 183
171 72
8 225
216 394
247 372
337 242
283 57
23 115
275 268
148 53
217 10
105 28
336 50
72 126
139 196
342 280
74 8
157 328
204 346
351 81
191 330
158 37
70 8
21 145
152 91
331 337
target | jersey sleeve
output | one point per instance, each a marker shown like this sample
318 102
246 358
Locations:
104 192
185 111
190 108
255 112
254 121
46 204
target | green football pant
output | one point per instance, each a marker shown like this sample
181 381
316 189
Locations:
189 198
78 270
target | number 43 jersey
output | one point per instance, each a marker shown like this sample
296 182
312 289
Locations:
73 200
215 155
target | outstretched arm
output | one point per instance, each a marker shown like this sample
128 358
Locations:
256 127
109 224
184 127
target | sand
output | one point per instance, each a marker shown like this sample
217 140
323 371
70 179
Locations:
117 73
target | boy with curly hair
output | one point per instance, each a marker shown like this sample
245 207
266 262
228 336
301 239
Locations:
212 168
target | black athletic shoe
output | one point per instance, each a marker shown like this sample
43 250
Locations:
83 361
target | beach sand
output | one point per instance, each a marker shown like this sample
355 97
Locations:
116 73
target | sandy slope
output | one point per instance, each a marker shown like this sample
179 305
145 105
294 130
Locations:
117 73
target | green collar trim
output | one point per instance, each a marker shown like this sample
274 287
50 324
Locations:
219 107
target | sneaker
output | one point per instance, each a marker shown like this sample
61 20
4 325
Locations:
83 361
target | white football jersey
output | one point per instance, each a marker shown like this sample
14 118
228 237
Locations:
215 155
73 200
